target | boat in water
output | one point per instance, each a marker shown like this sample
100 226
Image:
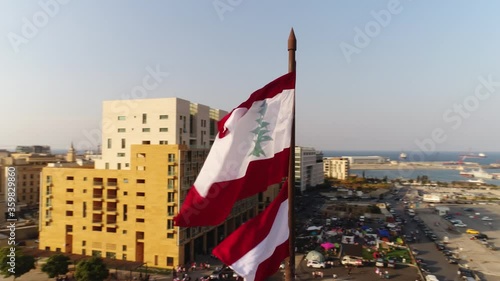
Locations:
478 174
479 181
403 155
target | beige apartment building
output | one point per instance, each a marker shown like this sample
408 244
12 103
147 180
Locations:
336 167
124 208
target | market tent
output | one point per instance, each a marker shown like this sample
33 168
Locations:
328 245
315 256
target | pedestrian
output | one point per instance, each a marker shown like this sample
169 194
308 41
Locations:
349 271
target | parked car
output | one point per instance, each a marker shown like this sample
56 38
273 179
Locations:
486 219
471 231
379 263
391 263
481 236
460 224
316 264
352 260
225 273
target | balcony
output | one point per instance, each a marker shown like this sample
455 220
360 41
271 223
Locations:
111 211
97 222
48 218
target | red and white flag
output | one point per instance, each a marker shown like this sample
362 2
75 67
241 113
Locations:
257 248
250 153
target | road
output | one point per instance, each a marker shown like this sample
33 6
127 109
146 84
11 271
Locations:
436 261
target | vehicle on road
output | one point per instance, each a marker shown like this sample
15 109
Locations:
379 263
460 224
352 260
472 231
481 236
316 264
486 218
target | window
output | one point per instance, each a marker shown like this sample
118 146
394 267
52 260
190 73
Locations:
126 165
96 253
96 228
120 154
141 194
109 143
170 210
139 220
125 215
84 178
170 261
146 130
125 193
106 166
163 142
171 157
110 255
121 130
170 224
70 202
124 231
68 178
111 229
123 143
69 190
119 166
171 170
163 130
170 197
84 243
141 181
84 252
124 248
84 209
122 118
170 184
144 118
140 207
141 155
124 257
69 213
163 117
170 235
146 142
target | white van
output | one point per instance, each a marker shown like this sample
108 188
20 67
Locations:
352 260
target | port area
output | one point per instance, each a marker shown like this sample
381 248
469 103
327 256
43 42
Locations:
415 165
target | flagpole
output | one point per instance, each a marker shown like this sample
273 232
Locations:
290 268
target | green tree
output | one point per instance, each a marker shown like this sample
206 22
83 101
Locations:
56 265
15 263
92 269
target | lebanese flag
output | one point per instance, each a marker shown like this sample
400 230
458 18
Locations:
255 250
250 153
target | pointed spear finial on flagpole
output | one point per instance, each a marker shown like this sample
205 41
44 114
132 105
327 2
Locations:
290 266
292 47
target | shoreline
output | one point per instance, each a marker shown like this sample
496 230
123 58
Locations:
414 166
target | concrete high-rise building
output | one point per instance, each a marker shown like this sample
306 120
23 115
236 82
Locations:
308 168
154 121
336 167
124 208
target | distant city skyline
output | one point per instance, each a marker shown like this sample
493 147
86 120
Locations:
371 75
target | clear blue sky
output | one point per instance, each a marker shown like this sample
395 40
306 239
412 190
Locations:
393 92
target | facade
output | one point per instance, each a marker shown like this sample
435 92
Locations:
308 168
128 214
28 168
336 167
154 121
365 159
152 153
42 149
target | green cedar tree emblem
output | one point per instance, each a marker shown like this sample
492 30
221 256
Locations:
260 132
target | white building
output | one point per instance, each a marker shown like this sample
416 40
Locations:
366 159
336 167
154 121
431 198
308 168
